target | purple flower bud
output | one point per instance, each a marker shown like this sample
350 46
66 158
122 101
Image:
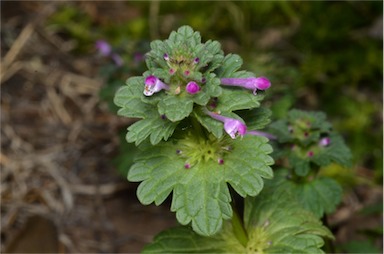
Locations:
232 126
260 83
310 154
171 71
166 57
153 85
187 166
220 161
179 151
103 47
261 133
325 141
192 87
196 60
186 73
203 80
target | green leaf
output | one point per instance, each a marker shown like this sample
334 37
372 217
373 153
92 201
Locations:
281 130
257 118
200 194
185 240
336 152
175 108
236 99
129 98
153 126
318 196
203 200
210 55
231 64
213 126
274 223
317 119
185 31
213 85
301 166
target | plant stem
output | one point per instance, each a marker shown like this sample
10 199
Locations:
238 228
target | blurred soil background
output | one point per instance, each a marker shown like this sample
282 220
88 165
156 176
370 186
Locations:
63 155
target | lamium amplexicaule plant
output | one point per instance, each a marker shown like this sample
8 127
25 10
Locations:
203 136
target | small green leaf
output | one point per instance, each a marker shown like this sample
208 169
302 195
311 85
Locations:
210 55
175 108
281 130
336 151
213 85
153 126
236 99
317 119
176 38
248 181
300 165
129 98
318 196
231 64
257 118
213 126
203 200
185 31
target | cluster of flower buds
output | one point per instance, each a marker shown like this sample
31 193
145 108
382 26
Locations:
254 84
233 127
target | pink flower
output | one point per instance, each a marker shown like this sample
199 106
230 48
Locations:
325 141
232 126
192 87
260 83
103 47
153 85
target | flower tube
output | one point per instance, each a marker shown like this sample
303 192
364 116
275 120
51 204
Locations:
254 84
232 126
153 85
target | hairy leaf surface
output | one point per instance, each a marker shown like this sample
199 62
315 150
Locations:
200 193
